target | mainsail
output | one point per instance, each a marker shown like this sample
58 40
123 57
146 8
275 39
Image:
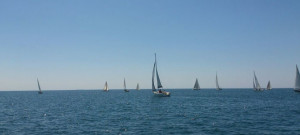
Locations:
269 86
196 86
297 80
105 87
138 87
217 83
157 76
153 74
40 90
257 86
124 84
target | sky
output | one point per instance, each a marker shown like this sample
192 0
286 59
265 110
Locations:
76 44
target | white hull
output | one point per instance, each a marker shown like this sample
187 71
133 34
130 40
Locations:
163 94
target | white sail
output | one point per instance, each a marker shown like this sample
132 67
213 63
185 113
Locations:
160 92
254 87
40 90
138 87
124 84
257 86
297 80
269 87
196 86
105 87
157 76
217 83
153 74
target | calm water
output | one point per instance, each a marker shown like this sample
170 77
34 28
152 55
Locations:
230 111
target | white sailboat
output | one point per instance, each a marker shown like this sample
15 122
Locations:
138 87
217 83
196 86
159 91
40 90
269 87
126 90
256 84
105 87
297 81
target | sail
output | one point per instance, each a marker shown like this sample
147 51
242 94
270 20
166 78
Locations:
297 80
196 86
254 87
138 87
39 85
124 84
106 87
269 86
157 77
217 83
257 86
153 74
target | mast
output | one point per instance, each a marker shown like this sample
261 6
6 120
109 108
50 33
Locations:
297 80
157 77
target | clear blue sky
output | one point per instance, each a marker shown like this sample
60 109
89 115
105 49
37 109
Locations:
78 44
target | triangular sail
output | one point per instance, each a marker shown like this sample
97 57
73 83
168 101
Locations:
217 83
105 87
157 76
196 86
297 80
153 74
254 87
124 84
138 87
269 86
40 90
257 86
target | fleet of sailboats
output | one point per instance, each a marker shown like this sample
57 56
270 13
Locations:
40 90
105 86
159 91
196 86
297 81
126 90
217 83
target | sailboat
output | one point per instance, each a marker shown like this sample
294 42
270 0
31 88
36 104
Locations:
126 90
40 90
138 87
196 86
217 83
297 81
256 85
269 87
159 91
105 87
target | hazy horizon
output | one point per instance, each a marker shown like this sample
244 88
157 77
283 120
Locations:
72 45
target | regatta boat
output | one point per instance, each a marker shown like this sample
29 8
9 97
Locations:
126 90
196 86
138 87
159 91
256 85
269 87
217 83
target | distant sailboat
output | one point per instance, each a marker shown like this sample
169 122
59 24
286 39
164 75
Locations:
269 87
105 87
217 83
138 87
196 86
159 91
297 80
256 85
40 90
126 90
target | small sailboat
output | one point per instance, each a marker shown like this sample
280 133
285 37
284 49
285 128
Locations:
297 81
269 87
105 87
126 90
196 86
40 90
256 85
159 91
138 87
217 83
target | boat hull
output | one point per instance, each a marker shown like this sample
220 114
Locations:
196 89
40 92
126 90
162 94
297 90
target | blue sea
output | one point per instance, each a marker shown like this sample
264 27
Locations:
186 112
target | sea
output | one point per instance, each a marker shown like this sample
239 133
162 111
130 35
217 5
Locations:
186 112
